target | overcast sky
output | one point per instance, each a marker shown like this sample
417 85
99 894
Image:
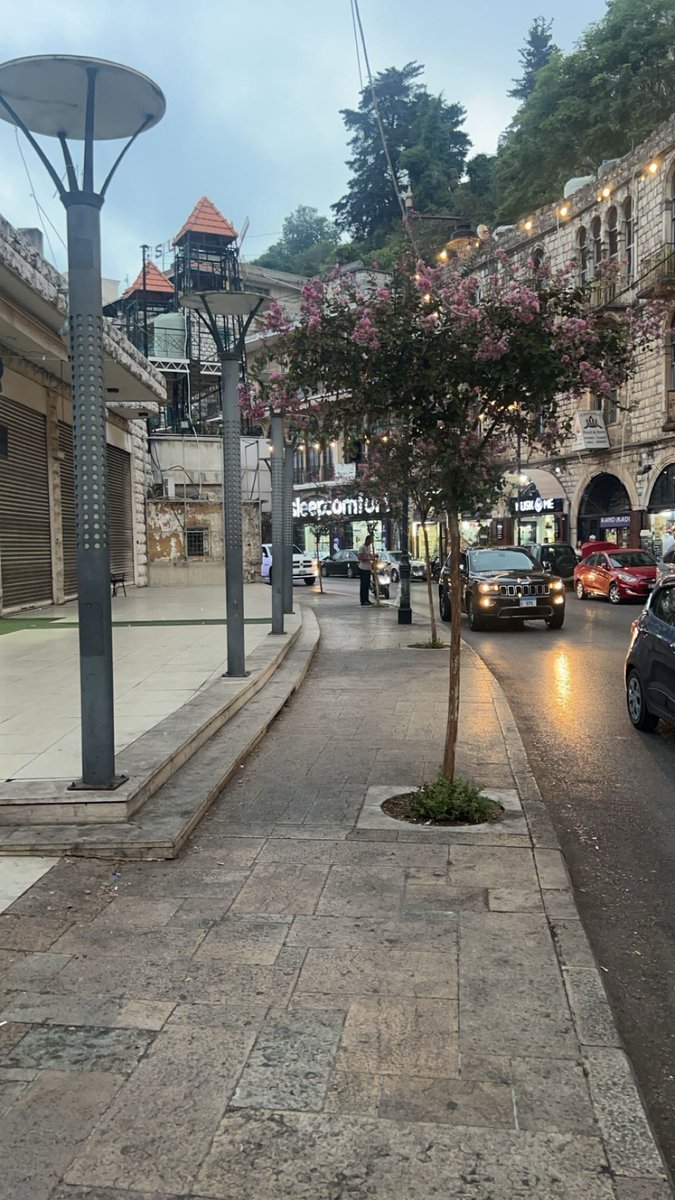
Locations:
253 94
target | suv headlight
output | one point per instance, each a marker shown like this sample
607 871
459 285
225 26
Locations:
488 589
557 585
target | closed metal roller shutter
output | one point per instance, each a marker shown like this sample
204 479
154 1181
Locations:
25 533
120 523
68 518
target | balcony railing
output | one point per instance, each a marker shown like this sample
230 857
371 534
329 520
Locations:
657 272
318 475
610 293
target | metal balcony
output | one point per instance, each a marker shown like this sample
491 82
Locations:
657 273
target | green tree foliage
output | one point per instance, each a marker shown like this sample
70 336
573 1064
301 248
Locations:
593 104
534 55
307 246
426 146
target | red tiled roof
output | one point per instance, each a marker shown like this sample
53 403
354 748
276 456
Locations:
205 218
155 281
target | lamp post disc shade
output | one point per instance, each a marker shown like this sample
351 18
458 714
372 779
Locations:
49 94
226 304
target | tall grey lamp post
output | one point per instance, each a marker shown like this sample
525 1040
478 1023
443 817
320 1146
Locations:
86 100
277 472
241 308
289 455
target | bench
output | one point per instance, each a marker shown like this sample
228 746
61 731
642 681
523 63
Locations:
118 579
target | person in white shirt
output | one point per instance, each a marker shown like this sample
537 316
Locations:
668 540
366 556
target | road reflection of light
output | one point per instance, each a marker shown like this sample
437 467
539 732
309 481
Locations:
562 678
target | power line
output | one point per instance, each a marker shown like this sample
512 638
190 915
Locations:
380 126
38 206
356 43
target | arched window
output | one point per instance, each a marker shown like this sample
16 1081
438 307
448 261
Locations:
582 242
537 258
670 351
613 233
596 242
629 237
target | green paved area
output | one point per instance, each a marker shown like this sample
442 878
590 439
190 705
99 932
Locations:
314 1004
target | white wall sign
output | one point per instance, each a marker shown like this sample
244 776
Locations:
350 506
589 431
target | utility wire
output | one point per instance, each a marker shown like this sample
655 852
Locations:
383 136
356 43
38 206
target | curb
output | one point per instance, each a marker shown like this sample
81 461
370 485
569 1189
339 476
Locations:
621 1113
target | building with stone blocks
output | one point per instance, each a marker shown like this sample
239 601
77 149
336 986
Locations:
38 547
615 476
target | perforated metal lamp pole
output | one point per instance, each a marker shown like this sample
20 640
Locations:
241 306
289 451
88 100
404 608
277 471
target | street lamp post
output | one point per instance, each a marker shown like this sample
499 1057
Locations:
289 453
277 472
404 608
87 100
239 308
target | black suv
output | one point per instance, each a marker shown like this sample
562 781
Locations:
504 584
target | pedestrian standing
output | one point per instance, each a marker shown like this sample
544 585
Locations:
366 556
668 540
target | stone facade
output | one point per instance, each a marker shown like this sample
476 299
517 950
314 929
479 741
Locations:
627 213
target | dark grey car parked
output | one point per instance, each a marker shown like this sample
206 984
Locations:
650 662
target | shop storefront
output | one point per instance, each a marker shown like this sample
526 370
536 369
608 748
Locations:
660 524
605 513
537 521
343 522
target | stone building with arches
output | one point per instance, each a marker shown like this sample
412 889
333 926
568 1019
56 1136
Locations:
615 475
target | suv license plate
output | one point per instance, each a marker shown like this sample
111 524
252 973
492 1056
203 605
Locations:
528 601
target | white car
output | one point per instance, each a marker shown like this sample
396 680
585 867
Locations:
304 567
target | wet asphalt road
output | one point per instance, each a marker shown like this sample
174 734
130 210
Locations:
611 794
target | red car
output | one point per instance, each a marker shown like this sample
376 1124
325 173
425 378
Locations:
617 574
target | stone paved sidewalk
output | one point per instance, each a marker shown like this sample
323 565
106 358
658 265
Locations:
305 1007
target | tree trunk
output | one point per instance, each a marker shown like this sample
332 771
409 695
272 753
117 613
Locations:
430 589
318 564
455 626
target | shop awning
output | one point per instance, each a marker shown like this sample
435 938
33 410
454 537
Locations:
547 484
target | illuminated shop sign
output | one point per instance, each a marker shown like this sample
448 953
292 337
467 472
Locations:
622 521
350 506
539 505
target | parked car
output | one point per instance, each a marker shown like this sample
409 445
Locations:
418 570
304 567
650 662
346 564
504 584
618 575
560 557
666 567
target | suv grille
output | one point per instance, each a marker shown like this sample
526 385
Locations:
523 589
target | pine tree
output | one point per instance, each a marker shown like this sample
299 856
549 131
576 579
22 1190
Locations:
534 55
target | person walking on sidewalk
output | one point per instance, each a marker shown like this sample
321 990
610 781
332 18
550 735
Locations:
366 556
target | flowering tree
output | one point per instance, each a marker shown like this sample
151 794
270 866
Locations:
460 365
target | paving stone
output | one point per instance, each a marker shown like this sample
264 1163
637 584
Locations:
13 1084
127 942
245 938
571 944
435 898
512 999
35 970
303 1156
508 900
590 1008
47 1126
185 1081
487 1068
631 1148
349 1092
291 1061
399 1037
642 1189
501 868
68 1192
446 1101
237 1016
353 892
390 973
57 1048
133 910
238 982
142 1014
196 884
203 912
559 905
10 1034
552 870
351 854
30 933
552 1095
281 888
135 978
429 931
41 1008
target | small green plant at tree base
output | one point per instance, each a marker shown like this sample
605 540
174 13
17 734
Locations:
458 802
432 644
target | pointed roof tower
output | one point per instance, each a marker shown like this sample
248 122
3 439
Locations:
207 221
155 282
